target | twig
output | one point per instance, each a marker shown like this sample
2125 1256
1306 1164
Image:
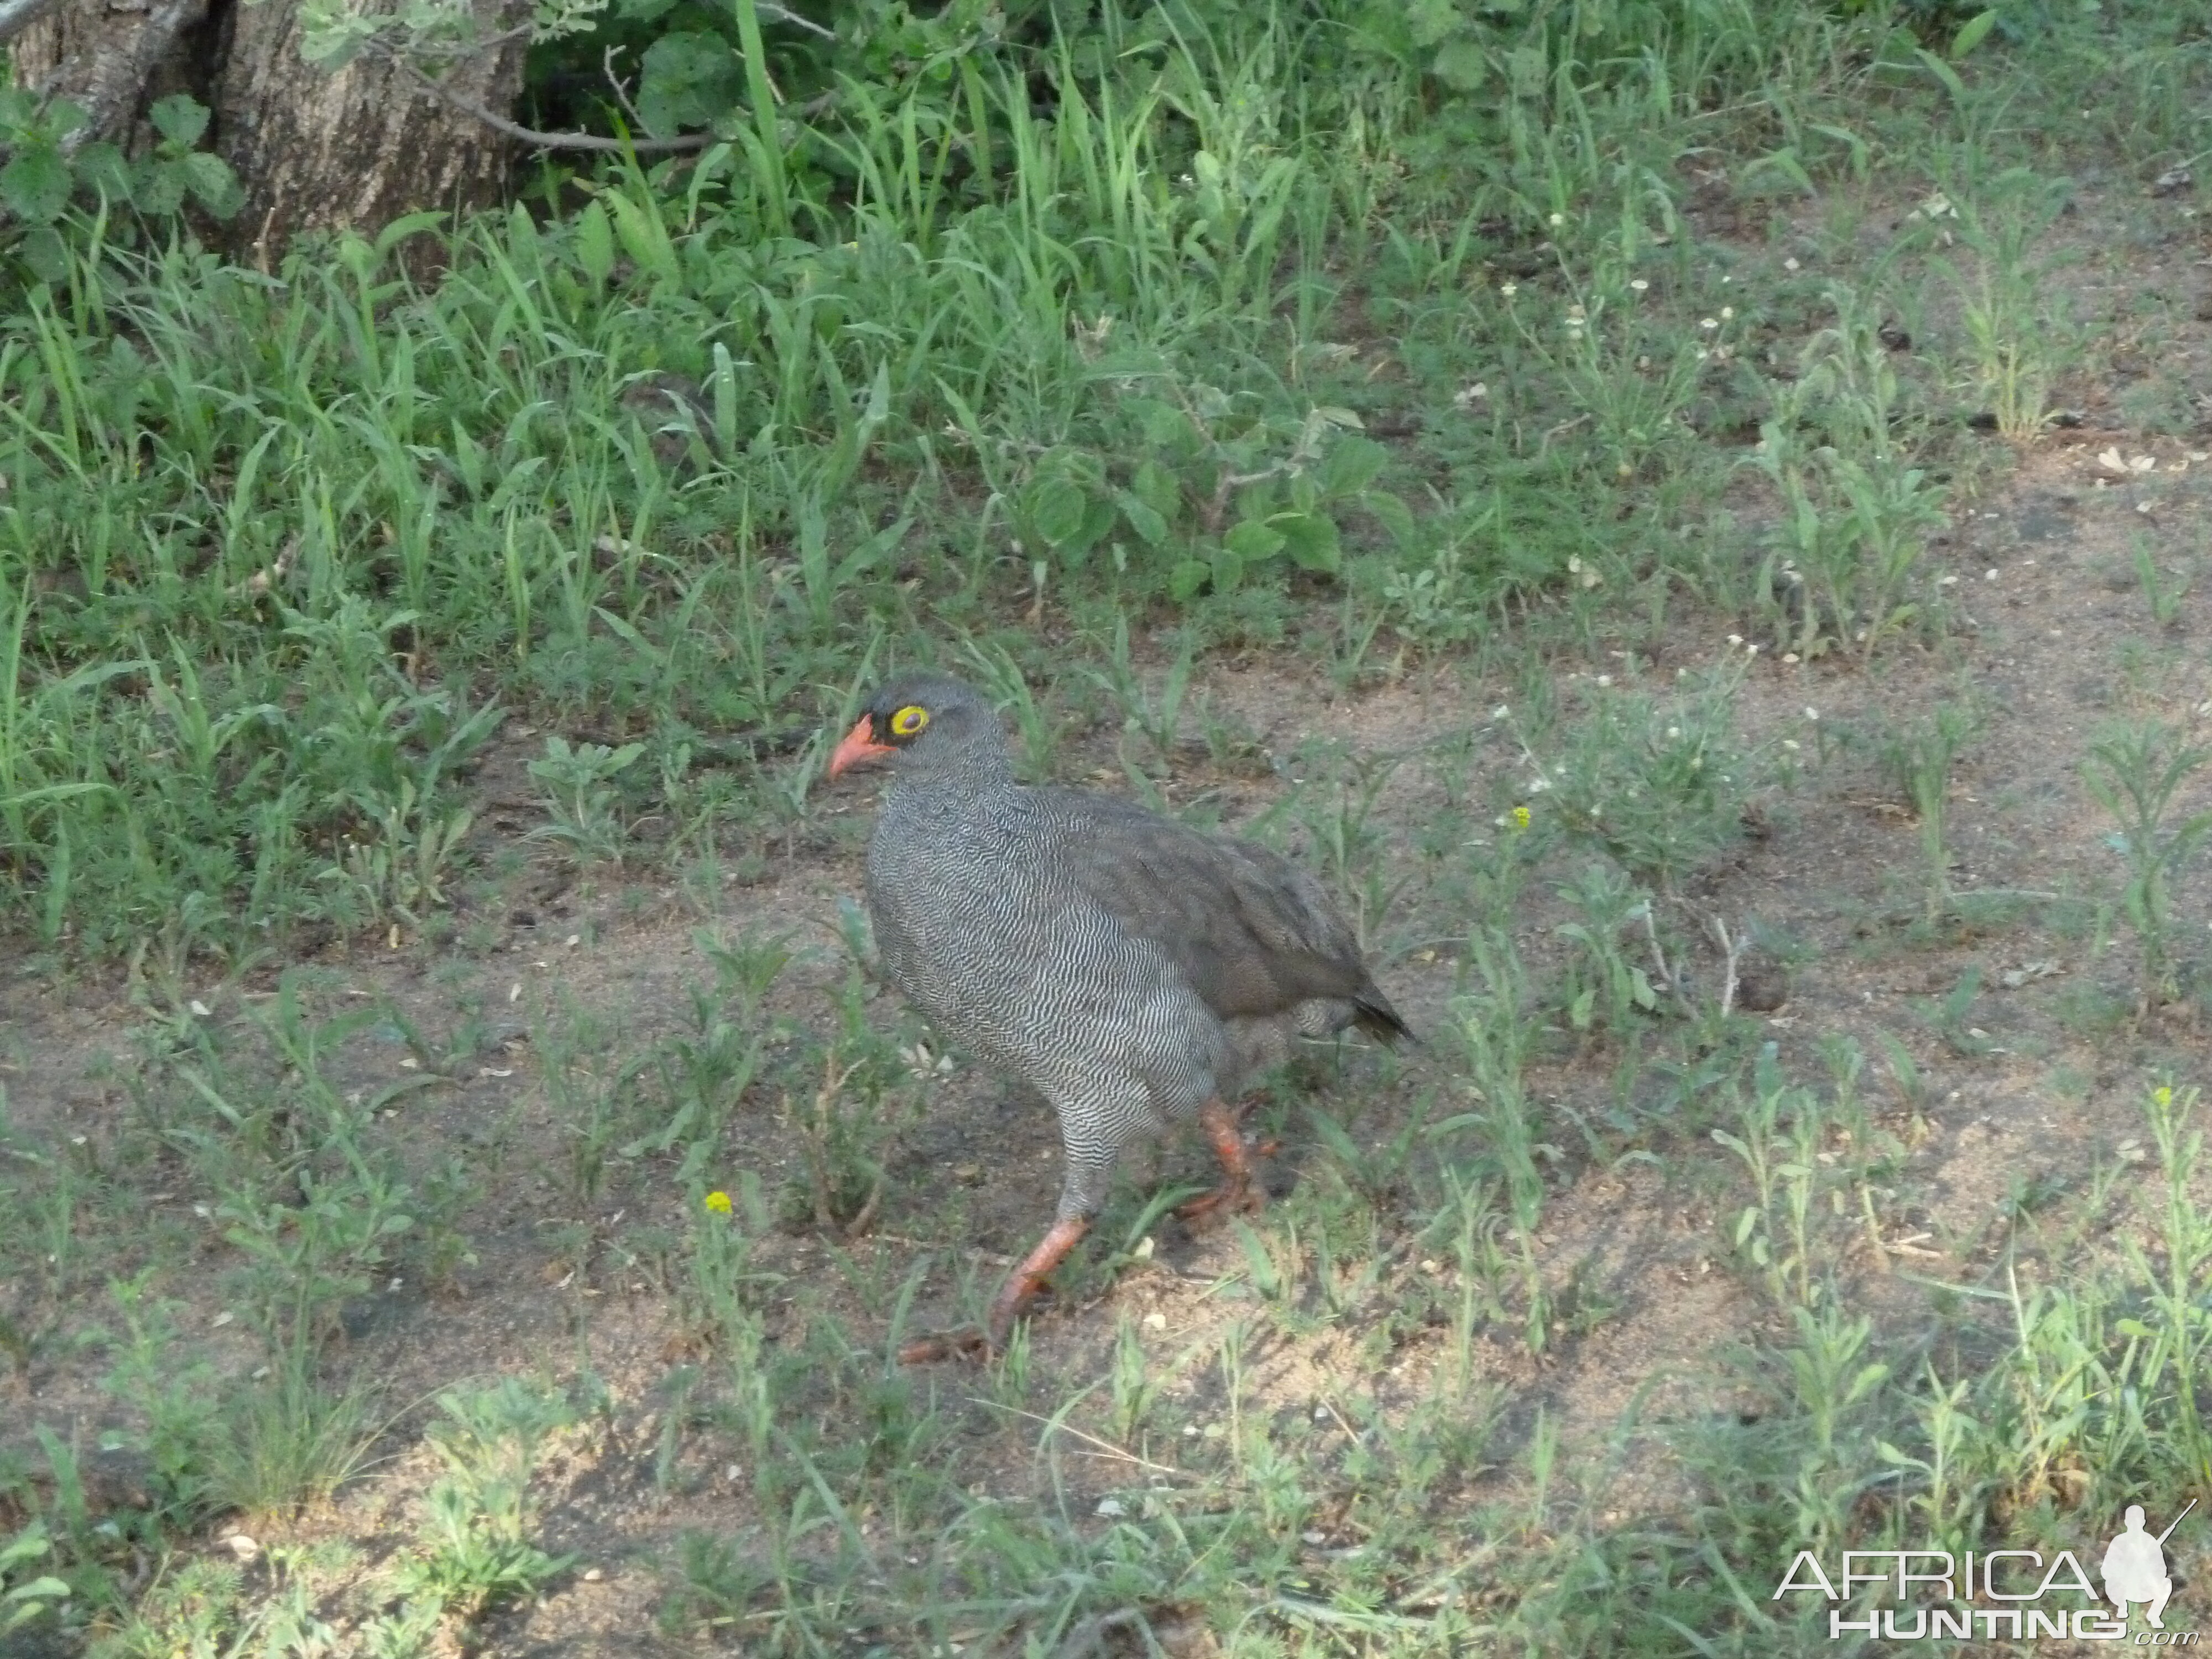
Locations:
913 1243
770 12
1658 955
1106 1446
1732 950
522 135
621 92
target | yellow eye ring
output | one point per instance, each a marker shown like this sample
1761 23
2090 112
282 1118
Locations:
908 721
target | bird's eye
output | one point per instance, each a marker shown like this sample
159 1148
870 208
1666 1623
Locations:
909 721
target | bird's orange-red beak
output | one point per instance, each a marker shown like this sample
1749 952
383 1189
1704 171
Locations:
858 749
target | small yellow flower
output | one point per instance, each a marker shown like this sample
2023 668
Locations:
719 1202
1520 818
2163 1096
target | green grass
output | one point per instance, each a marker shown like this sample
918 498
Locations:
1539 362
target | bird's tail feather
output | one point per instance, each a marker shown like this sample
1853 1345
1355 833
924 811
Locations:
1380 1020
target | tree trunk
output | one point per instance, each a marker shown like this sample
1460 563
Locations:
313 151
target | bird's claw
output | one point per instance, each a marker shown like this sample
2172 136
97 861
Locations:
947 1345
1232 1198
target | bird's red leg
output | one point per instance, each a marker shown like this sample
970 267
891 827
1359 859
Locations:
1021 1284
1242 1192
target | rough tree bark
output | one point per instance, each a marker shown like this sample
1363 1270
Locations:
313 151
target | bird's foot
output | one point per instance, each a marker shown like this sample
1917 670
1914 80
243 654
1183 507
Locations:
1023 1282
1241 1196
946 1345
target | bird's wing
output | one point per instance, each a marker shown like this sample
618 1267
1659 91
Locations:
1251 933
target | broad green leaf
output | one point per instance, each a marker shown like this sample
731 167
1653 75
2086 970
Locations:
1352 464
1057 508
1099 517
689 80
34 185
103 167
178 118
1392 514
1973 33
1165 427
595 244
1253 539
1157 488
213 185
644 236
1144 518
1188 579
1311 540
1944 72
1432 21
1460 65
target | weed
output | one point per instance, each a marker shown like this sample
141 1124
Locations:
1918 759
1659 787
1603 986
2135 773
1774 1233
2015 330
2164 598
580 801
1856 512
846 1122
475 1551
24 1598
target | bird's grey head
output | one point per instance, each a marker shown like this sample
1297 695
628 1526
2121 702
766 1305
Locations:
924 723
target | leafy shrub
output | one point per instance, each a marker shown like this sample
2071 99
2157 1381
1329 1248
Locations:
42 178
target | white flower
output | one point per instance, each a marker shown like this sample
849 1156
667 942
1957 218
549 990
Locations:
1812 713
1728 313
1789 263
1557 220
1709 324
1638 284
1508 289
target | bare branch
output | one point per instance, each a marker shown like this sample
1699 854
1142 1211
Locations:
17 15
621 92
770 12
522 135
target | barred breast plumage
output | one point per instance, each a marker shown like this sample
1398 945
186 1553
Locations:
1132 969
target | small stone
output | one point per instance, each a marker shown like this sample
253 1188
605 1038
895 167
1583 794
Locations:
1315 1537
1110 1508
1156 1322
593 1575
244 1548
